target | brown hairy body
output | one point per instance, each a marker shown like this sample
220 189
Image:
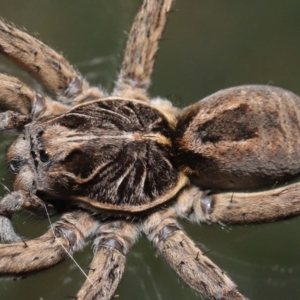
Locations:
121 164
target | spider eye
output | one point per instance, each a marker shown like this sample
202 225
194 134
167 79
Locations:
15 166
44 157
39 134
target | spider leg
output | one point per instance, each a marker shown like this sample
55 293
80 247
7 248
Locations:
12 120
111 245
65 237
239 208
15 202
19 101
46 65
186 259
141 48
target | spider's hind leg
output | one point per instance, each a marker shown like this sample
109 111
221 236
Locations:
141 49
239 208
186 259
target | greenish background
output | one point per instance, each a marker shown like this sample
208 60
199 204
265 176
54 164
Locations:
209 45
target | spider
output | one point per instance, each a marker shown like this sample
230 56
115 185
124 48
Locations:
57 158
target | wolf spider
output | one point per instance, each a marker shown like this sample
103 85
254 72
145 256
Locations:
123 164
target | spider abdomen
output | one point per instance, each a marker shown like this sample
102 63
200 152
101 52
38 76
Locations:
243 137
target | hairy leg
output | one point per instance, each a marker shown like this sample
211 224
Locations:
46 65
186 259
141 48
111 246
16 96
15 202
239 208
65 237
12 120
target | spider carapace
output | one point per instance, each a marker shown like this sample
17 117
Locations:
124 164
114 154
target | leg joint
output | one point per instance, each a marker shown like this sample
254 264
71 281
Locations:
166 231
112 242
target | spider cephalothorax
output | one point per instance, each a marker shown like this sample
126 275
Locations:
102 154
121 164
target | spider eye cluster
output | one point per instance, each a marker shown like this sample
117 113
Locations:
37 152
15 165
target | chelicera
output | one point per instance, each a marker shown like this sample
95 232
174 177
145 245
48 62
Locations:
121 164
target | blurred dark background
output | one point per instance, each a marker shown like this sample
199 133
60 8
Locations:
209 45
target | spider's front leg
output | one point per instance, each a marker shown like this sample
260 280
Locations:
15 202
19 257
62 239
12 120
50 68
114 239
186 259
20 104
